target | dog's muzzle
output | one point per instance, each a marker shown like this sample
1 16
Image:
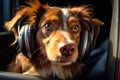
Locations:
67 50
68 53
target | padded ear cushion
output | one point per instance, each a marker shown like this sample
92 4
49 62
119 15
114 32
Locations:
85 44
26 40
88 46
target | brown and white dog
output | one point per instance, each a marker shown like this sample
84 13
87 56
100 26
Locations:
58 32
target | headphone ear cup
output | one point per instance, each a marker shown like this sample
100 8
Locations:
85 45
26 40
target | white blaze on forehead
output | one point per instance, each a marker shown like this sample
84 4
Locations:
65 15
67 39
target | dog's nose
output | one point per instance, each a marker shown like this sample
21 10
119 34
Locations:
67 50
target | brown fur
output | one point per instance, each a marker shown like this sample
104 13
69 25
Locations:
47 41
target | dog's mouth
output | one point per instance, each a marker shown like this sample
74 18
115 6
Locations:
63 61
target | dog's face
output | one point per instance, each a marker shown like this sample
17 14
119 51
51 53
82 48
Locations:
58 31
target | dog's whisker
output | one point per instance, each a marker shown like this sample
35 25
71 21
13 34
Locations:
36 50
59 59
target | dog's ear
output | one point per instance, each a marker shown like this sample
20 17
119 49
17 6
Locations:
32 9
85 15
96 23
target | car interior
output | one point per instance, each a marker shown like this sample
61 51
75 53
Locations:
104 61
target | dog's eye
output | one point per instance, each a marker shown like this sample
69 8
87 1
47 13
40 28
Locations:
48 26
75 28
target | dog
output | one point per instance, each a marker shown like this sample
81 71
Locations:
56 34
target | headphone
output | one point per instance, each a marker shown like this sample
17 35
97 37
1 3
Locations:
26 39
86 42
27 42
